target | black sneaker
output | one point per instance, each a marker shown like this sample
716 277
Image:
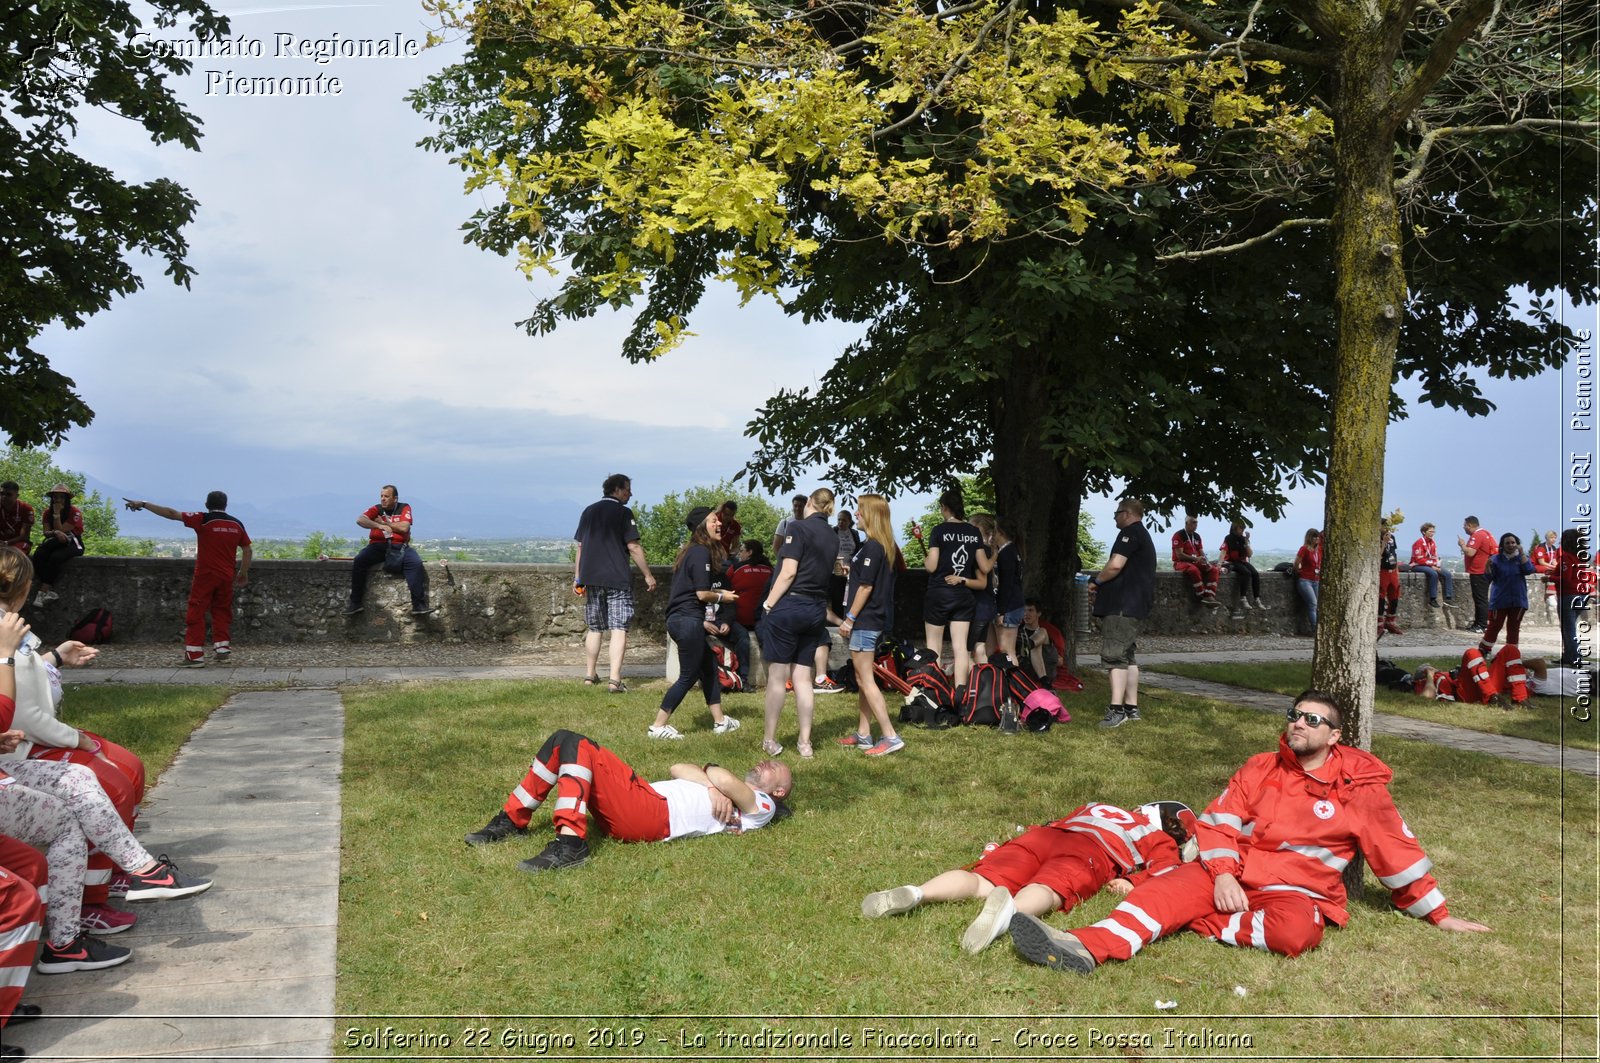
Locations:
1037 942
564 851
84 953
352 610
1114 717
497 829
163 881
425 610
1010 724
192 662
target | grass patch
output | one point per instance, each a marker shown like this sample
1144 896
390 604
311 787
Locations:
153 721
742 934
1541 719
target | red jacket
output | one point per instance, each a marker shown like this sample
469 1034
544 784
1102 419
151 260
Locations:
1134 840
1278 826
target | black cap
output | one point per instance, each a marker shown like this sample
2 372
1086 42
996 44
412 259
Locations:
697 516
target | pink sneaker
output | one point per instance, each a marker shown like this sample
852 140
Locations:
103 920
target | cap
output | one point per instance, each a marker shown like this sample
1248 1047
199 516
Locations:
59 489
697 516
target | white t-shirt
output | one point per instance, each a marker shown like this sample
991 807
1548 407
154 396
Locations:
689 810
1560 682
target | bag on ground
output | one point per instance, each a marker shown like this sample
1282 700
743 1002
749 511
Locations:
93 628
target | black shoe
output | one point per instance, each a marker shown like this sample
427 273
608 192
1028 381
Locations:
12 1052
1433 602
497 829
352 610
565 851
1009 724
83 953
1039 943
25 1013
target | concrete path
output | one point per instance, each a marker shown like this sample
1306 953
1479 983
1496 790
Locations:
246 969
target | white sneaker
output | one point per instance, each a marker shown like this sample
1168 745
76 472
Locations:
727 726
890 902
1261 605
666 731
1244 603
993 921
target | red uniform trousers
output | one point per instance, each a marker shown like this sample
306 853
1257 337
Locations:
589 779
1203 577
22 877
1278 921
1479 679
1070 862
123 781
213 592
1389 585
1511 618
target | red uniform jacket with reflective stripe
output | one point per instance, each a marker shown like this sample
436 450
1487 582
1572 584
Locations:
1134 840
1278 826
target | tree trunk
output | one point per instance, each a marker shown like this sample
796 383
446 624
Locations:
1370 299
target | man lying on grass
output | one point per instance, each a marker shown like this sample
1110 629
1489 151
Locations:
1057 865
590 779
1273 847
1496 679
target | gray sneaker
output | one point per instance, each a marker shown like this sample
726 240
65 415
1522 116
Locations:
1130 713
1114 716
1037 942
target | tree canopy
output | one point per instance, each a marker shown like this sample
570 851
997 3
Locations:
68 227
661 527
36 472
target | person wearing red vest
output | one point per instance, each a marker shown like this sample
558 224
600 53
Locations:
1425 559
16 518
1189 559
1273 849
1055 866
389 527
219 539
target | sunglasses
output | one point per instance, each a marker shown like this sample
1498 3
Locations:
1312 719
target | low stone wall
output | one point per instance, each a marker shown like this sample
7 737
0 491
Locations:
303 601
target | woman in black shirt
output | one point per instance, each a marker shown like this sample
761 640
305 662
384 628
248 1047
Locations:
866 618
696 578
958 563
796 622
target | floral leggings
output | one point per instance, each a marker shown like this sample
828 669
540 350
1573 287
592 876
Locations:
60 808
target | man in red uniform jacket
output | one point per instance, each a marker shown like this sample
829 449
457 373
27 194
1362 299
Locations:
219 539
1189 558
1273 849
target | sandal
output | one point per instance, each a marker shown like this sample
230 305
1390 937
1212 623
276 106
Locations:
771 748
591 680
806 752
616 687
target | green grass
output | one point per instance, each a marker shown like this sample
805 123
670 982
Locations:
1540 719
764 930
153 721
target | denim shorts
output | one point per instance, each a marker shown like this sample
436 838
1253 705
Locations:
1013 618
864 641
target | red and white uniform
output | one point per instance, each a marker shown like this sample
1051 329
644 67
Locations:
1077 855
22 880
1425 551
401 515
1189 558
16 526
1484 548
1481 677
218 538
590 780
1287 835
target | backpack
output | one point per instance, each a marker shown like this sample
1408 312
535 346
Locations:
986 692
93 628
1041 710
727 669
1286 570
844 677
1392 677
923 672
1020 683
890 655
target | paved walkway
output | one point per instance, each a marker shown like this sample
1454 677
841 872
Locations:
246 970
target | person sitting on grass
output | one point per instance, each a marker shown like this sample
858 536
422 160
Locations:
1273 849
1497 678
1057 865
589 779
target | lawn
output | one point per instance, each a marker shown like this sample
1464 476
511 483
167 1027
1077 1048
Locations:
753 945
1540 719
153 721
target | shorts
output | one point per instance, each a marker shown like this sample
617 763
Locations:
864 641
1071 863
1012 618
946 604
793 629
608 609
1118 634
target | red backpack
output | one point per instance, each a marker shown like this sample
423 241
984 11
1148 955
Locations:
727 669
94 628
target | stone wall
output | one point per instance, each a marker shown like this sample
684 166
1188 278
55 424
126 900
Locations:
300 601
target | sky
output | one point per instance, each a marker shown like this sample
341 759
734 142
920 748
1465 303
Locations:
339 336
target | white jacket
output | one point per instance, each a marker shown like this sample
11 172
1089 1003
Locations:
36 710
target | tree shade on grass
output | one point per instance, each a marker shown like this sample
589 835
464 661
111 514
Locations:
767 926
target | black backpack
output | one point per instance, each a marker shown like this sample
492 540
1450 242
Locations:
986 692
1020 682
923 672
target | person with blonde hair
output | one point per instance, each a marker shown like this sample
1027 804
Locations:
867 598
796 623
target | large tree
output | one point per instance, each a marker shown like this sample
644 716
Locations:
1173 312
68 227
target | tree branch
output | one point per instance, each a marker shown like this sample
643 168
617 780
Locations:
1224 41
1243 245
1420 162
1438 59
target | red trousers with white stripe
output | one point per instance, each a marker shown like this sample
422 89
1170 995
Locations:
589 779
121 776
1278 921
211 592
1203 576
1480 679
22 876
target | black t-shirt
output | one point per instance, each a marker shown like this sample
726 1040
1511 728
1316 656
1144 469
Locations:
605 530
959 544
1008 570
692 574
815 545
870 567
1132 591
